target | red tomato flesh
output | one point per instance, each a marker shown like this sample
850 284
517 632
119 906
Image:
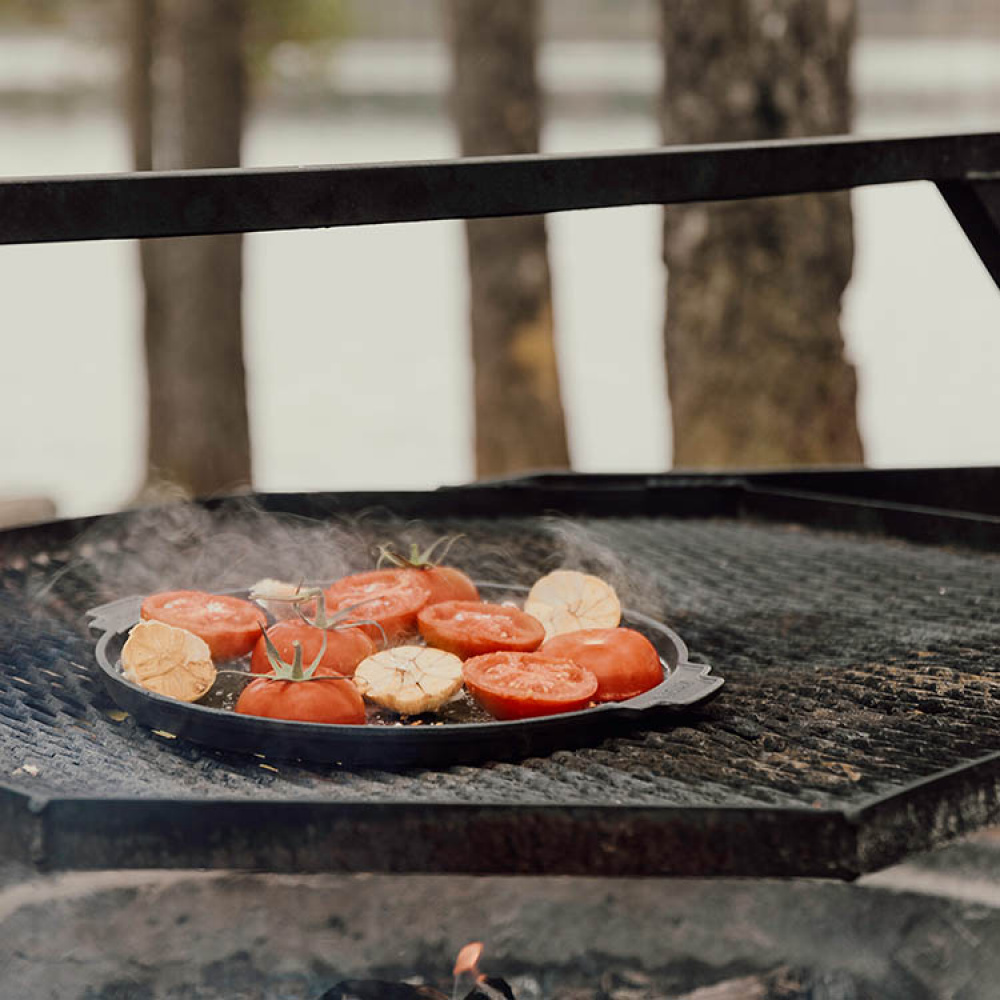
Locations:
624 662
229 625
391 597
330 699
446 583
470 628
345 648
524 685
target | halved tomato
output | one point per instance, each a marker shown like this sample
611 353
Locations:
624 661
230 626
523 685
345 648
469 628
391 597
328 698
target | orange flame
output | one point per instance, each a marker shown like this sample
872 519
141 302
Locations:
468 959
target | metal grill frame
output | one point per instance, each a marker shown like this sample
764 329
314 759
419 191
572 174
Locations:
965 168
61 832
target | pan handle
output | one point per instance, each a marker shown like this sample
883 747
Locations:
111 620
688 683
118 616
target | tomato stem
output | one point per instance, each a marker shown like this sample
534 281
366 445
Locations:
282 670
297 661
338 621
249 677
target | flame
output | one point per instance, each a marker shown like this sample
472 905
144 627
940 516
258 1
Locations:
468 959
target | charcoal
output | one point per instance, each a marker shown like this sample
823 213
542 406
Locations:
379 989
491 988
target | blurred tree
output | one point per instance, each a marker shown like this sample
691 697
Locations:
140 36
316 25
198 429
34 12
199 437
497 108
755 356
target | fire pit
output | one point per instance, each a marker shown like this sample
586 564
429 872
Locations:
217 936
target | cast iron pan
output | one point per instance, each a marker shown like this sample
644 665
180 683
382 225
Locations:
466 736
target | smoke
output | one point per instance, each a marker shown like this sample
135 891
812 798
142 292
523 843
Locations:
579 547
229 548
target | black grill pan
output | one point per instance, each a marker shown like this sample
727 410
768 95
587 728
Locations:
685 684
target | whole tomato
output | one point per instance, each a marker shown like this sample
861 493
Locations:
301 694
624 662
328 698
445 583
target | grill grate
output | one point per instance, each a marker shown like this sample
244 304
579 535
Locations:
855 667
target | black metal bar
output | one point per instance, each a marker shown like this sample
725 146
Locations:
67 833
927 525
955 810
976 205
445 838
184 203
959 506
972 489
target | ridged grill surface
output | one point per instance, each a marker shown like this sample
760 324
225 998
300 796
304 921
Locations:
854 665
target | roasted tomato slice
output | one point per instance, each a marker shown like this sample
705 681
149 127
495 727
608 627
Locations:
230 626
469 628
345 648
523 685
391 597
328 699
624 662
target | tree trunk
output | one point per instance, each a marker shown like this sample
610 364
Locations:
199 436
497 107
755 357
141 32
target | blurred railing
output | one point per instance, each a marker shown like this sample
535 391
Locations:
966 169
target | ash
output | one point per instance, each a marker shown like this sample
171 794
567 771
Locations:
780 983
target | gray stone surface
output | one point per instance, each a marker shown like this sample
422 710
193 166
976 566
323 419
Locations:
97 936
